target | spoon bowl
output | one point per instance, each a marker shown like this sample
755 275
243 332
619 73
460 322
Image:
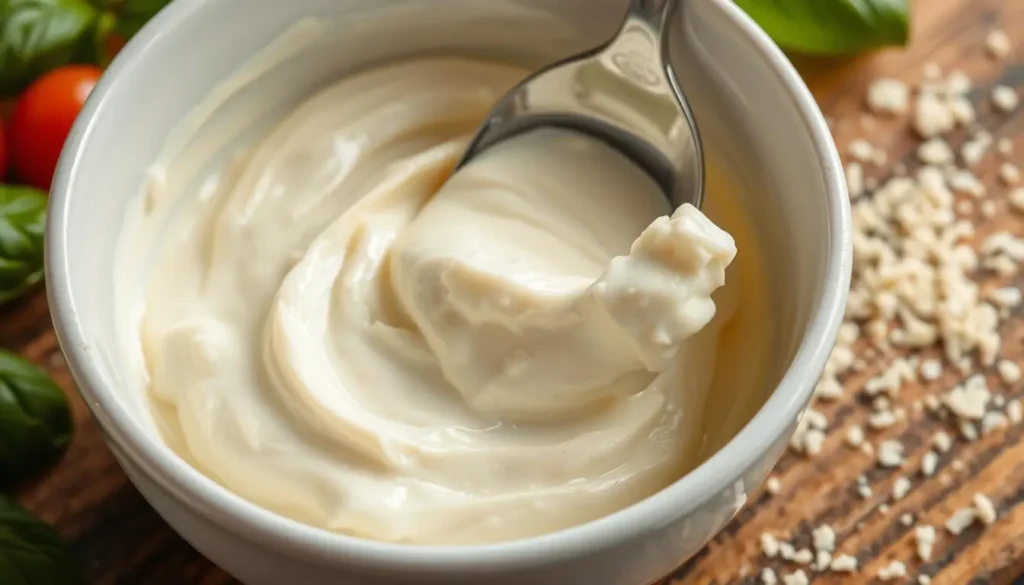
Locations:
623 92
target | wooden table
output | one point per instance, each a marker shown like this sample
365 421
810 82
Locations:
122 540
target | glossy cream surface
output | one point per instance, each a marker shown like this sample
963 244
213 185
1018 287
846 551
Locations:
337 328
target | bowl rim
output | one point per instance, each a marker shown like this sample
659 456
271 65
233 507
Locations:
247 520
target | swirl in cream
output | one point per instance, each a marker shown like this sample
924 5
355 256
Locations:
341 331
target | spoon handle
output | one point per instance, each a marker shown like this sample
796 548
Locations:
637 52
652 13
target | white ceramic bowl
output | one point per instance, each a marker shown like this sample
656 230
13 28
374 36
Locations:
749 103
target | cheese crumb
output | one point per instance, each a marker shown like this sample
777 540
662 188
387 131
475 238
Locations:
822 560
892 571
929 462
814 441
824 538
931 370
816 420
935 152
828 389
855 436
997 44
882 420
986 511
1007 297
865 491
773 485
900 488
973 150
1015 411
798 577
1016 198
967 403
890 453
802 557
1009 372
1009 173
786 550
961 520
957 83
969 432
844 564
1005 98
925 537
862 150
993 421
906 519
888 96
931 116
768 577
769 545
942 441
962 110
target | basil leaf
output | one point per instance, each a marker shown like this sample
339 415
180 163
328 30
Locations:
38 35
31 553
831 27
93 47
35 421
22 222
131 15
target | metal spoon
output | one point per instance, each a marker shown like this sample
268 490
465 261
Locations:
623 92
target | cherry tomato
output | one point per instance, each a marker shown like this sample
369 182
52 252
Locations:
42 118
3 153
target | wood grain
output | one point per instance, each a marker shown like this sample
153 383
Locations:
121 540
950 33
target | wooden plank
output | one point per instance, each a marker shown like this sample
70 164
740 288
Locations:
121 540
822 490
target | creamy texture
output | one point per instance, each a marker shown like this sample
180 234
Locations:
336 330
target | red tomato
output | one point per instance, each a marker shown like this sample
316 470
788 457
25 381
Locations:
3 153
42 118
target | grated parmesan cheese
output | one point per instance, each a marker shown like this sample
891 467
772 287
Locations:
961 520
929 462
893 571
997 44
924 537
824 538
985 509
890 454
1005 98
888 96
844 564
900 488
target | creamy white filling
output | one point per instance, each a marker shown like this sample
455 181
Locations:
338 331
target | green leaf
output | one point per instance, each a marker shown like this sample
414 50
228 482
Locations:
35 421
31 553
38 35
22 222
93 46
131 15
831 27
